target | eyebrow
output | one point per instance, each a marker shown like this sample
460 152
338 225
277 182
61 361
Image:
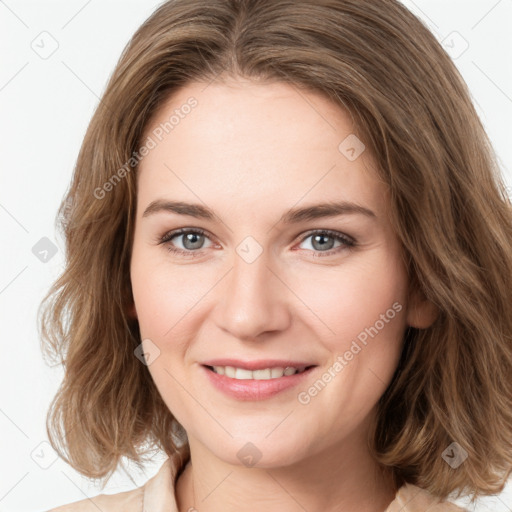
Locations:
292 216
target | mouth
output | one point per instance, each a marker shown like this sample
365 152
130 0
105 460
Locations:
275 372
257 380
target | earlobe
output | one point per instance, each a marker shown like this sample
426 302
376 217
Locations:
421 313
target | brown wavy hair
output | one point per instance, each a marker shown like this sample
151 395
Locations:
449 208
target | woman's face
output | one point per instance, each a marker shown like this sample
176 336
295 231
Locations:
264 286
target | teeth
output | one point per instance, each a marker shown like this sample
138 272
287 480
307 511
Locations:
276 372
240 373
264 374
229 371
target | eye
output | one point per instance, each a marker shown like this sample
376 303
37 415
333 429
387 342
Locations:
325 248
192 241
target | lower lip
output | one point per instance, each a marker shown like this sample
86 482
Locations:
252 389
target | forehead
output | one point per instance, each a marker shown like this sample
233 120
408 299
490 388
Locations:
243 145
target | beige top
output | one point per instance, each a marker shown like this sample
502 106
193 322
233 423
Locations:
158 495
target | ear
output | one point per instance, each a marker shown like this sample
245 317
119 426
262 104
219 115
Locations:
421 313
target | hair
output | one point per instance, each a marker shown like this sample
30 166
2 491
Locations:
449 208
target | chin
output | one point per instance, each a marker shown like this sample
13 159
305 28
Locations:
258 451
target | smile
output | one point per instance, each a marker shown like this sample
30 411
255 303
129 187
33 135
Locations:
258 384
262 374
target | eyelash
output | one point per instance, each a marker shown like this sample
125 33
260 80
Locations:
349 243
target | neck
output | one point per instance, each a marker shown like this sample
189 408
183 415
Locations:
343 478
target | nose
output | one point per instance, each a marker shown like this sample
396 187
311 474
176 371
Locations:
253 300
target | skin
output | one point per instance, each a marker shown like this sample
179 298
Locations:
251 151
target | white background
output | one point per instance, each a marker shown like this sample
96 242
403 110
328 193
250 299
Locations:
46 106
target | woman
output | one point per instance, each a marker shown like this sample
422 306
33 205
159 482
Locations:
289 266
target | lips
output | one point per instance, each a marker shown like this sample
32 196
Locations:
250 389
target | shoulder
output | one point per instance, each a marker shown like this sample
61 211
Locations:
410 498
156 494
127 501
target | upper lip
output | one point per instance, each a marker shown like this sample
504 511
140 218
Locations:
259 364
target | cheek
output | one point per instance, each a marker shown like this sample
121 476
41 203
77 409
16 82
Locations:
151 293
151 297
162 310
358 301
362 312
172 302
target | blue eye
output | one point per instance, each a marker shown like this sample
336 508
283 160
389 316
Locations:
193 240
190 237
320 235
